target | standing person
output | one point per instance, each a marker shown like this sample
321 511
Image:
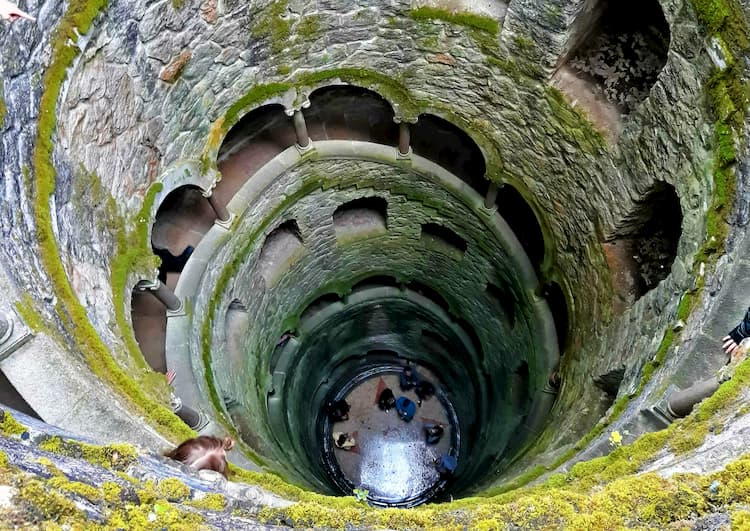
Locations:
405 409
409 378
433 433
338 410
735 336
344 440
424 390
386 400
445 465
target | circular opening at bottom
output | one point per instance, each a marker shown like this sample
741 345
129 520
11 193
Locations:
380 452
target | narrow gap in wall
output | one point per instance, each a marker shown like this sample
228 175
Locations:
443 239
504 301
558 305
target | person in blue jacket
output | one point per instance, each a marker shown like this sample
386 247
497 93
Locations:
405 408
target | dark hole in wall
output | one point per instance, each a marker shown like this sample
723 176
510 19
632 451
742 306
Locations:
447 145
429 293
9 396
505 301
642 250
624 52
609 382
442 238
346 112
522 220
367 216
558 305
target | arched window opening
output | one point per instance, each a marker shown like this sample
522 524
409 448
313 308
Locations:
361 218
283 246
236 323
258 137
642 250
449 146
376 281
522 220
443 239
346 112
318 304
181 221
519 386
505 302
617 52
149 318
429 293
558 306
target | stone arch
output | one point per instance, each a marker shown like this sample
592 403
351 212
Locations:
448 145
182 219
523 221
350 112
365 217
643 246
255 139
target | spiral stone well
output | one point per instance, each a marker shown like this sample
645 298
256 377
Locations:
540 204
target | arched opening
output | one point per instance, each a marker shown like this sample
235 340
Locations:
443 239
447 145
504 301
282 247
617 50
641 251
236 322
522 220
366 217
346 112
558 305
258 137
181 221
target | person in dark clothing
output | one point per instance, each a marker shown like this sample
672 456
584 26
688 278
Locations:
405 409
737 334
446 465
171 263
424 390
409 378
433 433
337 410
386 400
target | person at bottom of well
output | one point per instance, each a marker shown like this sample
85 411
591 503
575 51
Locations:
409 378
344 440
337 410
405 409
433 433
424 391
386 400
445 465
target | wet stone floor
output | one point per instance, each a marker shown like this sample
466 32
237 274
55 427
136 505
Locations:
391 459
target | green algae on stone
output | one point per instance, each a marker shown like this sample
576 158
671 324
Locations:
172 489
471 20
112 456
10 426
210 502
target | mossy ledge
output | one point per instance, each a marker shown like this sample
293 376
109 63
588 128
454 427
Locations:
77 21
471 20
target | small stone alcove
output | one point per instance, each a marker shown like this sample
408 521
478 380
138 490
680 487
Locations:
362 218
643 247
616 51
282 247
443 239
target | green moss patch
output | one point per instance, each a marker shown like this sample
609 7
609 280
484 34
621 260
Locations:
470 20
113 456
10 426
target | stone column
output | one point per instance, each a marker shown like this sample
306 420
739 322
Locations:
162 292
194 419
404 136
681 403
221 211
300 126
491 196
